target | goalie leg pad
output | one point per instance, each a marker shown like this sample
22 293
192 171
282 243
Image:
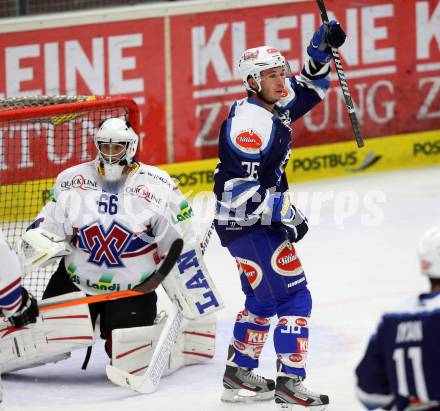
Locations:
55 333
133 348
198 340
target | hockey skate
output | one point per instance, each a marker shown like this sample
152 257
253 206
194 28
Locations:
242 385
290 394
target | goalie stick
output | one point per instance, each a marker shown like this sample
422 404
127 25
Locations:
343 82
148 382
146 287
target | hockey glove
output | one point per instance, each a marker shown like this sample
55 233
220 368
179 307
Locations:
287 217
28 311
327 36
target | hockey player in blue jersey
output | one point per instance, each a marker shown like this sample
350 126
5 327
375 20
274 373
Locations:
257 223
400 370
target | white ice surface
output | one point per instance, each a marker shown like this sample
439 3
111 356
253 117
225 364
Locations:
360 258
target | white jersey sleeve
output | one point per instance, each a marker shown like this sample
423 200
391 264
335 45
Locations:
10 279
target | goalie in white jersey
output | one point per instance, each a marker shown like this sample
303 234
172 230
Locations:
112 220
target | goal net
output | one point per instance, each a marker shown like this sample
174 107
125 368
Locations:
40 137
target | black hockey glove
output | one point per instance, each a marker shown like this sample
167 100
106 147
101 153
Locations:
296 233
328 35
28 311
290 219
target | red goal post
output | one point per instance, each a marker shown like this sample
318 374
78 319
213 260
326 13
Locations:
40 136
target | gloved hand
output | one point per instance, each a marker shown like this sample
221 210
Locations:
28 311
286 216
327 36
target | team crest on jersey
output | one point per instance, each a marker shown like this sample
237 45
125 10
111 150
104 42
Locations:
106 246
251 270
284 260
249 141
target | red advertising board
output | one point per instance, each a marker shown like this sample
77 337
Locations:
391 59
118 58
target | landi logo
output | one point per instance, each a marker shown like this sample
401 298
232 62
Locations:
80 182
249 141
349 161
186 212
427 148
105 284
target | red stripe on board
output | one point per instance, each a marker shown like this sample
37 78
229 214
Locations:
199 334
79 337
133 350
10 286
198 354
138 369
65 316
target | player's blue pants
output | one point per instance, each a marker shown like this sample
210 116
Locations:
273 281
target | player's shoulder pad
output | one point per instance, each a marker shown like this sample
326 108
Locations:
81 176
250 131
156 177
288 93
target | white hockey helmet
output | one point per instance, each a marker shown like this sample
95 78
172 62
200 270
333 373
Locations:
429 253
255 60
123 140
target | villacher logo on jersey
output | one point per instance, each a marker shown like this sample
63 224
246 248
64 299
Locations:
249 140
285 261
80 182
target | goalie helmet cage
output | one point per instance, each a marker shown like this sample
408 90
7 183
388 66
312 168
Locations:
41 136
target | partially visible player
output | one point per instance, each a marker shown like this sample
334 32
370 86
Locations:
17 305
257 223
400 370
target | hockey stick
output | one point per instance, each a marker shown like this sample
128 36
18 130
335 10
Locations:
148 382
146 287
343 82
207 237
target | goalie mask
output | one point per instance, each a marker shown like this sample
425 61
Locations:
429 253
116 143
255 60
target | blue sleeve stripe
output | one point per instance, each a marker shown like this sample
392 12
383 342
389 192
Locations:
239 189
323 83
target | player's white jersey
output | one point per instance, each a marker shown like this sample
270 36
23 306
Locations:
118 232
10 279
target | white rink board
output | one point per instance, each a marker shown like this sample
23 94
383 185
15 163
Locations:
352 279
